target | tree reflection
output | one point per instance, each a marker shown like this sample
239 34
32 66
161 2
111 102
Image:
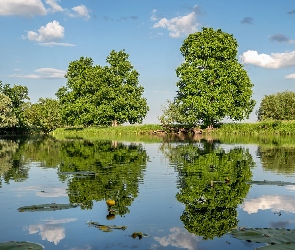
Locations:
11 165
212 182
95 171
279 159
111 170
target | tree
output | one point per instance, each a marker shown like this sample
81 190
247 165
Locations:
17 94
44 115
96 95
7 117
279 106
213 85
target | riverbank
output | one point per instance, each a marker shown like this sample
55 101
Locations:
255 128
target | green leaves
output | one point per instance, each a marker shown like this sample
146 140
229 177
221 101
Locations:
212 83
279 106
7 116
44 115
96 95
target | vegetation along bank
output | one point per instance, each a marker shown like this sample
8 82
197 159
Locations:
212 87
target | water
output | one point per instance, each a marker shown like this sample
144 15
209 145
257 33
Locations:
168 194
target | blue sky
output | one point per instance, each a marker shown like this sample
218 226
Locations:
40 37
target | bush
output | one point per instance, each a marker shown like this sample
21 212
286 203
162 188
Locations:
279 106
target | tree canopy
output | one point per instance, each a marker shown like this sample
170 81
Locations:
212 83
18 95
279 106
102 95
7 117
44 115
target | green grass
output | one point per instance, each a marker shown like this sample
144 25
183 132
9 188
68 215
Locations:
257 128
132 129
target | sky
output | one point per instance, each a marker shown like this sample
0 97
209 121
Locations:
39 38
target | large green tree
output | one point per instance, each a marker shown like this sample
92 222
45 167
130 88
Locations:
18 95
212 84
7 117
102 95
279 106
44 115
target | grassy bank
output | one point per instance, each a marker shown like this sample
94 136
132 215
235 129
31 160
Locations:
257 128
132 129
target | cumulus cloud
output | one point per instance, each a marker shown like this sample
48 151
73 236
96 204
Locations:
272 202
80 11
22 8
43 73
272 61
52 31
280 38
179 26
291 76
55 7
247 20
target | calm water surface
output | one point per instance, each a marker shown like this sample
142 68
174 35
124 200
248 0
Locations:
176 195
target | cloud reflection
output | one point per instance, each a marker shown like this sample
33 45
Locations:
272 202
42 191
179 238
51 230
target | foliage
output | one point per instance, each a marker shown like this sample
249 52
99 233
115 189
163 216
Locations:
257 128
44 115
213 85
96 95
279 106
7 117
18 95
212 182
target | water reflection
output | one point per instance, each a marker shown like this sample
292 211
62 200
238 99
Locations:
51 230
114 169
212 183
279 160
179 238
111 170
11 166
273 202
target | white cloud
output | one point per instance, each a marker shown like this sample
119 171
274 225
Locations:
153 16
22 8
43 73
291 76
179 26
80 11
273 61
51 44
273 202
52 31
179 238
55 7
